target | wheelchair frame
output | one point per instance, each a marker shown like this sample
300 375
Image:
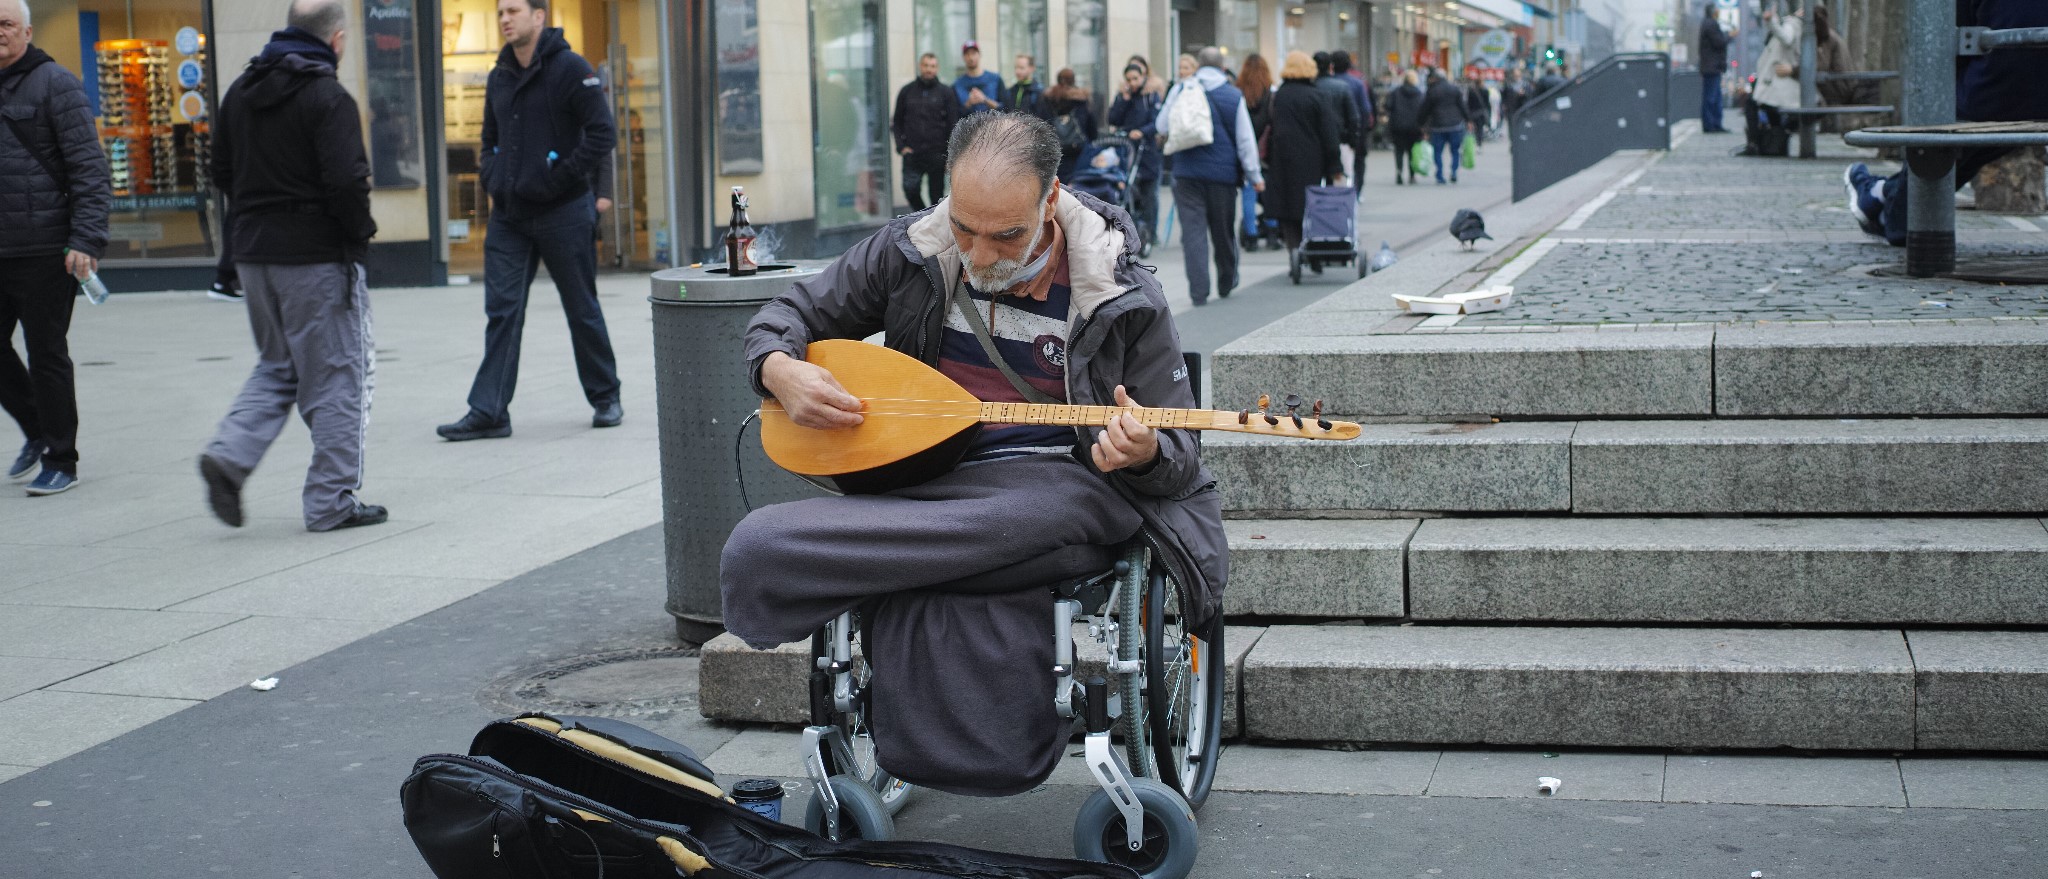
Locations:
1141 701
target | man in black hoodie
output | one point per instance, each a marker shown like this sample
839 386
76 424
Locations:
926 111
53 229
288 151
547 127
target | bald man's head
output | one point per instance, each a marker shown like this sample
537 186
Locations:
321 18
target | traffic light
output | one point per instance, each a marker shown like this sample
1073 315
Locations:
1550 53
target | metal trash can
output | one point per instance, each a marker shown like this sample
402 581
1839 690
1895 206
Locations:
711 474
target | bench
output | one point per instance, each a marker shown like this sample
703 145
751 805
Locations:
1808 117
1930 159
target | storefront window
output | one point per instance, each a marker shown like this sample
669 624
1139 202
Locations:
1237 30
1088 50
1021 29
146 74
941 28
850 121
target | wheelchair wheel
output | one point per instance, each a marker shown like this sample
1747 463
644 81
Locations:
860 740
861 813
1170 838
1184 674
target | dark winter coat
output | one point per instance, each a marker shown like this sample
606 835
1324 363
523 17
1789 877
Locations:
1443 107
2004 86
1513 94
288 151
546 126
1127 114
925 114
1404 110
1302 147
1119 331
1478 104
1335 90
1084 119
1713 46
1026 97
54 190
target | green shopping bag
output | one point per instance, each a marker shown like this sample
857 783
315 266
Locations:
1471 152
1418 159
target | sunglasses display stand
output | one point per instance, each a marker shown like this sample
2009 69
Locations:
136 96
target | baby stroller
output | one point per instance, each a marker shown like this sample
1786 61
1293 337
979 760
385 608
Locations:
1105 170
1329 232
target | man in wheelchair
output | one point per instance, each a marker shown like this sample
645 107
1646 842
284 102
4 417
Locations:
1020 291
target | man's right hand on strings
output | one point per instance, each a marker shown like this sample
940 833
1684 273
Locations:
809 393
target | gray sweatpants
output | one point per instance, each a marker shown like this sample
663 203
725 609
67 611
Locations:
313 349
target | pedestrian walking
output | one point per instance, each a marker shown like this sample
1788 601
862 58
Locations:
1444 117
1303 140
1553 77
1255 80
1132 113
1206 178
547 125
1404 125
54 196
1478 107
926 111
1025 94
977 89
1350 105
1340 66
1713 63
288 151
1073 120
1514 92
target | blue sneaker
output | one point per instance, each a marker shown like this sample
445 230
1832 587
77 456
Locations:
51 482
31 453
1863 202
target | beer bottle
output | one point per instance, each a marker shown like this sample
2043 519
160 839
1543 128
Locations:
739 238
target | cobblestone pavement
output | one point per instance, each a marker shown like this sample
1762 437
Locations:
1702 236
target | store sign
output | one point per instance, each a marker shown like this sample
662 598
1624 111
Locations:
1425 59
135 231
391 45
190 74
187 41
192 105
176 201
1492 48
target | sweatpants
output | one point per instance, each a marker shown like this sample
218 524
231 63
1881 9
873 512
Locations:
313 350
37 293
1208 217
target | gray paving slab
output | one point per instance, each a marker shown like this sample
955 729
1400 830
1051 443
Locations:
1784 780
1366 772
1535 375
20 674
48 725
1975 782
1800 570
29 565
1850 371
1318 568
310 592
93 633
1453 467
220 660
1586 775
10 771
1619 687
196 556
1810 466
1981 690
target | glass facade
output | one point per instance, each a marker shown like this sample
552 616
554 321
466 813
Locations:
941 27
850 113
1088 50
146 72
1237 30
1022 28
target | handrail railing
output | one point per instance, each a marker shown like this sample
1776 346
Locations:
1622 103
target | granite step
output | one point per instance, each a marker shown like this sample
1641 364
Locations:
1615 687
1743 570
1328 568
1893 466
1479 467
1776 371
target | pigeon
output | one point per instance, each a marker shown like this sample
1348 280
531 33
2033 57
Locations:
1384 259
1468 226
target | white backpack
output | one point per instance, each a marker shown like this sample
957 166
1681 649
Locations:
1188 123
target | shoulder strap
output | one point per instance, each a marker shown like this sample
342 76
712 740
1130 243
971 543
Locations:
49 166
965 305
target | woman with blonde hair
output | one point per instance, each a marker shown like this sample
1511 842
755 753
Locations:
1404 124
1302 136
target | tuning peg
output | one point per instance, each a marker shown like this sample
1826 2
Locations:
1317 414
1265 401
1244 416
1293 403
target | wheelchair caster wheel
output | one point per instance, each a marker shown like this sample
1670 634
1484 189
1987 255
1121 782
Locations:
895 792
861 812
1170 841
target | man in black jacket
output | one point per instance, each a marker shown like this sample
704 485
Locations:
547 126
926 110
1713 63
288 151
53 229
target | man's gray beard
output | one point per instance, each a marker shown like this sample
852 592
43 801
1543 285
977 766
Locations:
1002 275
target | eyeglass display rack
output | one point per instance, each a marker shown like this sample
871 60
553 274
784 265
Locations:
136 95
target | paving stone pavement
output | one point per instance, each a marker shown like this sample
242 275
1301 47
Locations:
1701 236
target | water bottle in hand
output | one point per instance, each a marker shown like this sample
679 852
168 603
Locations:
95 292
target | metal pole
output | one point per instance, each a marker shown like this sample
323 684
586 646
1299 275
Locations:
1930 99
1809 78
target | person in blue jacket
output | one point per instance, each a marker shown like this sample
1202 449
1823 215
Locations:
2003 86
1206 178
979 90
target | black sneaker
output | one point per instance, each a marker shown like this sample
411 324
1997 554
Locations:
31 453
363 514
223 493
224 292
474 426
608 415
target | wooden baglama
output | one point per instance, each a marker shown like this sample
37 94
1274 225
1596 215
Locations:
918 423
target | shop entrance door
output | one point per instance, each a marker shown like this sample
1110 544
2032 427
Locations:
622 39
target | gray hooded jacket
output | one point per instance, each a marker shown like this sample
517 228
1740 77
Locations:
1119 331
